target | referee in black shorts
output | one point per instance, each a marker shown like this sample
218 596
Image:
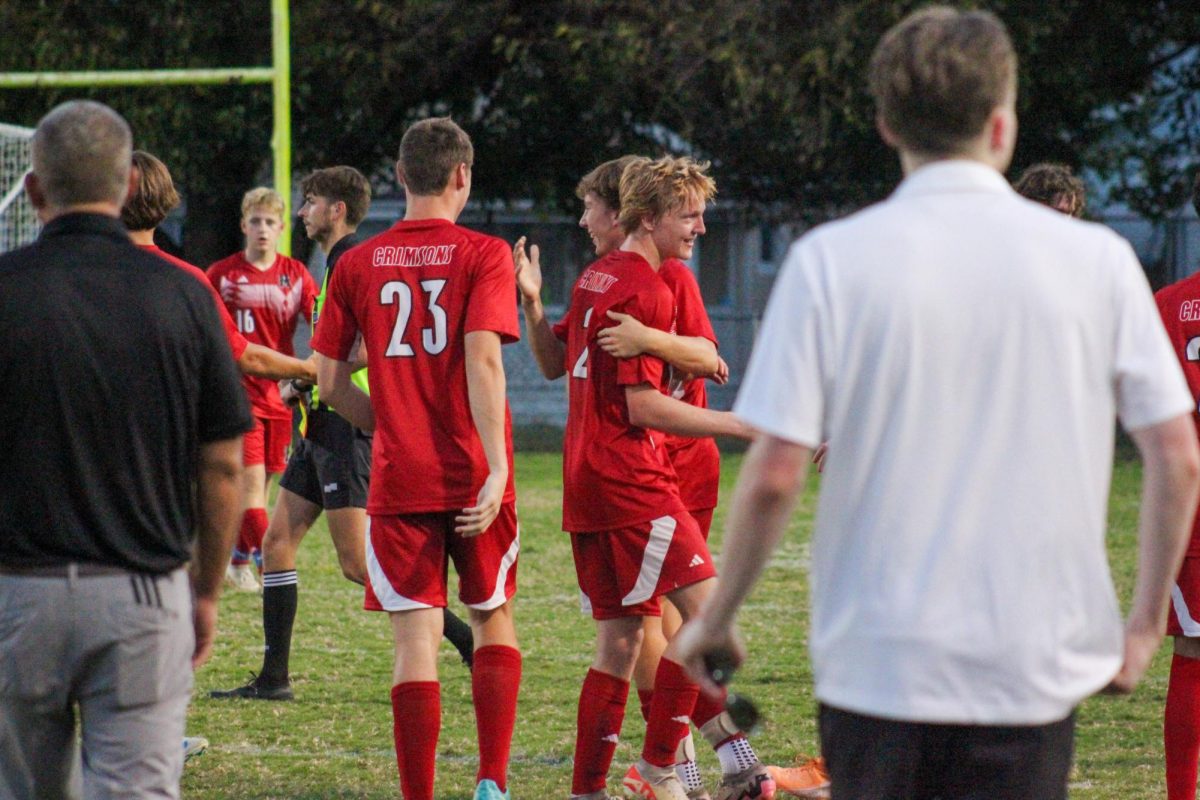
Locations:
329 469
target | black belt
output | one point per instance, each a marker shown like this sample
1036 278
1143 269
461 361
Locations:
82 570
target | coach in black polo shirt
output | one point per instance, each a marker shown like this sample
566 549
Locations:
120 444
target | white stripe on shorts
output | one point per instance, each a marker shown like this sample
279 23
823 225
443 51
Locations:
1190 627
510 557
662 530
388 597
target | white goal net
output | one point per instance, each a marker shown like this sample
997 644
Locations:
18 222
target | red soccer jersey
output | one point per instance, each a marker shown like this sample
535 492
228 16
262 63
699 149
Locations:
266 305
414 292
1179 305
614 474
697 462
237 342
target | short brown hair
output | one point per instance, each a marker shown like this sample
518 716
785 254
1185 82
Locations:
345 184
938 74
1052 185
605 182
650 189
429 151
80 154
153 198
262 197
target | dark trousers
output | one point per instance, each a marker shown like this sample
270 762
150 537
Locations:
882 759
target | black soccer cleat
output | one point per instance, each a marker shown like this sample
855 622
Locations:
255 689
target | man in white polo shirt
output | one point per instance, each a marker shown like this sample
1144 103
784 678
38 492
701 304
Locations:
965 353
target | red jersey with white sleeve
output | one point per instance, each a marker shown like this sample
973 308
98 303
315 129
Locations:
697 462
1179 305
414 292
237 342
266 305
614 474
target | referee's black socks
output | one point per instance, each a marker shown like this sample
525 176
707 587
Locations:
279 613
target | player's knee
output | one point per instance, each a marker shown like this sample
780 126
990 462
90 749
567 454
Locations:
353 570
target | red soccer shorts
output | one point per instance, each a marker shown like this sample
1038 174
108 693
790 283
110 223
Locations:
1183 619
703 519
267 444
407 556
623 572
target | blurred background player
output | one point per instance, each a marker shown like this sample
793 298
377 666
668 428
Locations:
267 293
1179 306
1052 185
330 467
690 351
433 303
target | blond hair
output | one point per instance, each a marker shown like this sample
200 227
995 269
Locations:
650 189
262 197
938 74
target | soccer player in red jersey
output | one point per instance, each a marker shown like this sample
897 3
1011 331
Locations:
1179 305
153 198
433 303
266 293
632 537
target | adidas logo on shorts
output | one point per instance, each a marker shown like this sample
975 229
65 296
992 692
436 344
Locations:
330 487
696 561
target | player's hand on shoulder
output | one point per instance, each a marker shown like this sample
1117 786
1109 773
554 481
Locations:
626 339
476 519
528 269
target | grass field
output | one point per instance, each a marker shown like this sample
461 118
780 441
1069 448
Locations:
335 741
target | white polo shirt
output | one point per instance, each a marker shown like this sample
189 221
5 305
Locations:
964 351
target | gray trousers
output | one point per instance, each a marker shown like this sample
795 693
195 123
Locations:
117 648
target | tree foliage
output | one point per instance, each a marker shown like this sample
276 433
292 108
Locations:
772 91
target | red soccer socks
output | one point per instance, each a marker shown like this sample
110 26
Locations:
416 722
1181 728
495 679
670 712
598 728
250 535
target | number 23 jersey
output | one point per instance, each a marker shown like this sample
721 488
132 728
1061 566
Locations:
414 292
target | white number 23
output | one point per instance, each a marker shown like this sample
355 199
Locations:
433 339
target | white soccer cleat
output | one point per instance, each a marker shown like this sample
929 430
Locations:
242 577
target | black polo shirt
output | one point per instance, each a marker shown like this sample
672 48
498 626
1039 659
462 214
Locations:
114 370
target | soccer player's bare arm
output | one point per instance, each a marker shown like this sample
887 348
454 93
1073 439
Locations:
485 393
694 355
1172 467
650 408
547 350
333 381
263 362
218 510
769 484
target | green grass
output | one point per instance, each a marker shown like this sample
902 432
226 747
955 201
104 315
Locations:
335 741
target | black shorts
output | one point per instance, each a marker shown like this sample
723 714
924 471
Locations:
881 759
329 478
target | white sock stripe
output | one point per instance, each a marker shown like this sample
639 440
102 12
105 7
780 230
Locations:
280 578
662 530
